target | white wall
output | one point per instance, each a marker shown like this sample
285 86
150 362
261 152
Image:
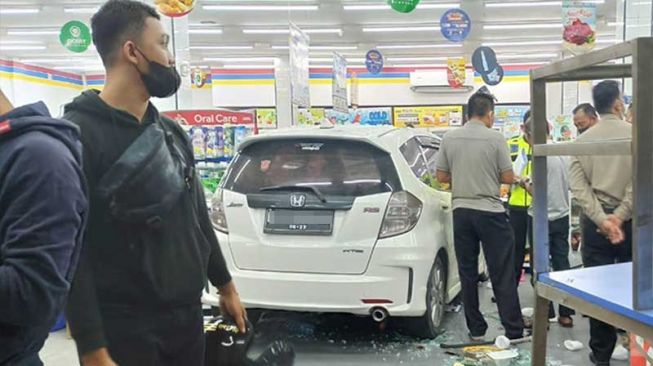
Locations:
22 92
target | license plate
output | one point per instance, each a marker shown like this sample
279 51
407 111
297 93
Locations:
299 222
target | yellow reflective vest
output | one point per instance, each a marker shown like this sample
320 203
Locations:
520 152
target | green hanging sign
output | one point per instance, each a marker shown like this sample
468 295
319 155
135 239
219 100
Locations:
403 6
75 36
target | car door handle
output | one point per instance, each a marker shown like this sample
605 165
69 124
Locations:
444 206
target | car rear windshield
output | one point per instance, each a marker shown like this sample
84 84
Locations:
334 167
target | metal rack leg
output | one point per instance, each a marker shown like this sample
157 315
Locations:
540 330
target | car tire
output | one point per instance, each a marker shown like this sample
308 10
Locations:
428 325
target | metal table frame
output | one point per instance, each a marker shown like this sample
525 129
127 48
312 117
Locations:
591 67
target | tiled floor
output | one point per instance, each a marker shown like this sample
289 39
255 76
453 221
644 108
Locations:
323 340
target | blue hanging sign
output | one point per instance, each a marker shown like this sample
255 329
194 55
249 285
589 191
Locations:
485 63
374 62
455 25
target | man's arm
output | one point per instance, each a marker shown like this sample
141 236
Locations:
582 190
442 176
506 174
218 272
624 211
44 206
442 163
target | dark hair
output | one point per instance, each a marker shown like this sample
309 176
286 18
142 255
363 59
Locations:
605 94
527 115
116 22
588 109
480 104
528 127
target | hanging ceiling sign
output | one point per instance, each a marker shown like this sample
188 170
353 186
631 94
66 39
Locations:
485 63
175 8
455 25
75 36
199 77
374 62
456 73
579 21
339 83
403 6
299 67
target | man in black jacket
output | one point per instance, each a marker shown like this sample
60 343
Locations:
135 300
43 209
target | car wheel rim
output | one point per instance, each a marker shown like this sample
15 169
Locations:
437 296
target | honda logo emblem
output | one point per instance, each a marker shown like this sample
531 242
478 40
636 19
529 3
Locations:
297 200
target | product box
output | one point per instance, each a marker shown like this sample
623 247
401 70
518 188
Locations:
198 139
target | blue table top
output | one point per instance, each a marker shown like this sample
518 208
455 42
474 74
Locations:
610 287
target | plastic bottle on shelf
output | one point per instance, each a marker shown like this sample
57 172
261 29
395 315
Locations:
198 139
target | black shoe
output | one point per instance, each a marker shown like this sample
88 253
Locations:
594 361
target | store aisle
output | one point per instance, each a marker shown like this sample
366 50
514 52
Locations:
356 342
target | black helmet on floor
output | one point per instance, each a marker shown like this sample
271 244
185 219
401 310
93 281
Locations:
225 344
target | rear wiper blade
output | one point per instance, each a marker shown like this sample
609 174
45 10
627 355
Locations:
311 189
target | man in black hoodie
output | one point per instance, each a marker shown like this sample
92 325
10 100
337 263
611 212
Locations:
136 297
42 213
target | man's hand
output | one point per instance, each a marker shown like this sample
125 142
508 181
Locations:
612 231
99 357
615 220
230 305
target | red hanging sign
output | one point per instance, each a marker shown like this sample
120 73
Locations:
215 117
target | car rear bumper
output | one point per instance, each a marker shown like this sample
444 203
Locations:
398 272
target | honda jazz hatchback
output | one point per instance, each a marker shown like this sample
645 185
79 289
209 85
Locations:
346 219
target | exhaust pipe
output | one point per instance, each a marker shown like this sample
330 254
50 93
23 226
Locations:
379 314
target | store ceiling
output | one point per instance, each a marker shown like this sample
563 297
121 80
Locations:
348 29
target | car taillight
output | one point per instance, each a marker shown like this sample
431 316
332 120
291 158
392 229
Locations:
218 215
402 214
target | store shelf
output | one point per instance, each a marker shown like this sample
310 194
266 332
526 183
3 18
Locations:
604 293
621 295
608 147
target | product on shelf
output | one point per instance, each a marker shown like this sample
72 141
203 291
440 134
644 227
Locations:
240 134
219 131
198 139
211 143
229 148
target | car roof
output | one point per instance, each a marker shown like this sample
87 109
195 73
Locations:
384 137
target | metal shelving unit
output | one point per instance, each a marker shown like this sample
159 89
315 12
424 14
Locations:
621 295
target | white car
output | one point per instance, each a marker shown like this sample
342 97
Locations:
340 220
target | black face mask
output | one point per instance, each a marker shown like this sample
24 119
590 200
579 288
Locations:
160 81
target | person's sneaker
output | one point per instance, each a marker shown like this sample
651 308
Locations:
566 322
595 362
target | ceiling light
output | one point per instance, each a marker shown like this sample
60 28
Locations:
326 48
21 48
525 56
268 66
81 68
32 32
60 60
525 43
21 42
7 11
402 29
527 63
387 7
221 47
417 59
419 65
534 3
411 46
241 59
287 31
522 26
329 59
205 31
86 10
262 7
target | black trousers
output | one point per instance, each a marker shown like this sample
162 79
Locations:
597 251
558 252
492 230
519 221
174 337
